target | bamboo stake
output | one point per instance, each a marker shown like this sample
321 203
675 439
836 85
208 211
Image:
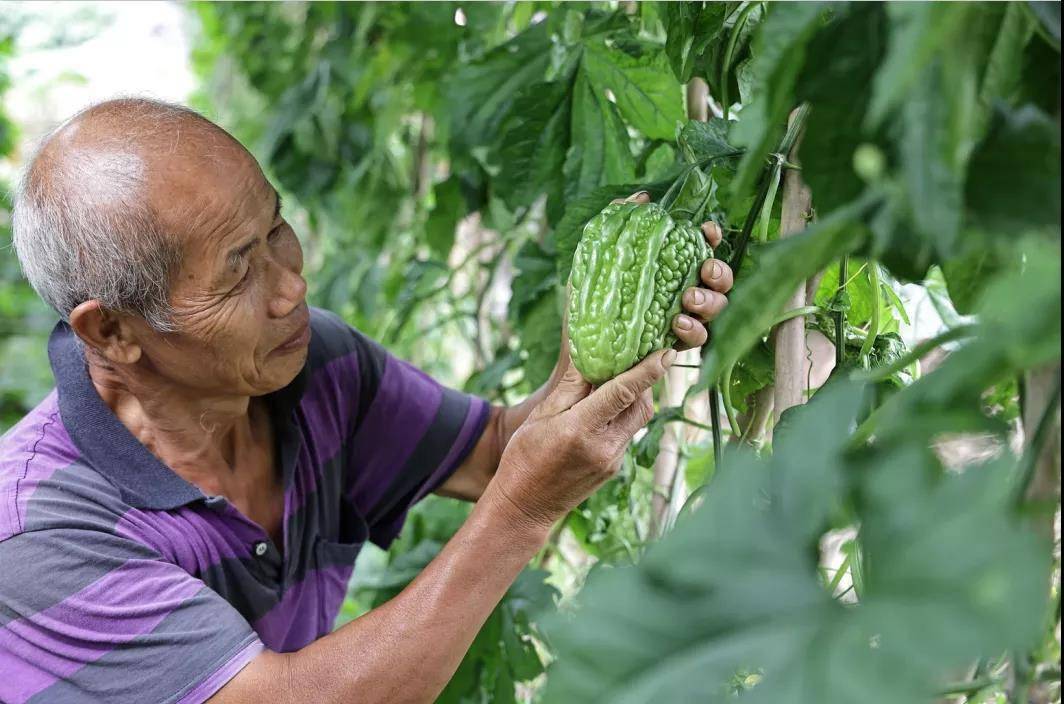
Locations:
789 336
668 491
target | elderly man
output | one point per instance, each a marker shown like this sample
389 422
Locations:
180 517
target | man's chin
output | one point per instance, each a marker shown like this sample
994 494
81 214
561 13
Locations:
283 370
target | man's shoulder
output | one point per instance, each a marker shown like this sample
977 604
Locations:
333 338
339 350
43 479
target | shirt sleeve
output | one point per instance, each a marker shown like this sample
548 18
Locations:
408 432
90 616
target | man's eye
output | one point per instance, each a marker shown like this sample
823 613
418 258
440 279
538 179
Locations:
275 234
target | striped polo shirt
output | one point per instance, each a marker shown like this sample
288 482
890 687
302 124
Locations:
122 582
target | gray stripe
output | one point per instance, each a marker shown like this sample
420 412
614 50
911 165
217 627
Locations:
76 495
188 645
42 568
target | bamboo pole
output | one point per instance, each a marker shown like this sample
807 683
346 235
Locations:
789 336
668 491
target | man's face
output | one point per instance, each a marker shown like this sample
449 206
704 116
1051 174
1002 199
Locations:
239 299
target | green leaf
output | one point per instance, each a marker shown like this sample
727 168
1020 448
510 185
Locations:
533 144
1002 77
967 276
783 265
645 450
1048 15
540 334
443 219
778 56
482 92
753 602
701 141
690 27
838 92
918 31
1018 329
599 153
646 92
1014 176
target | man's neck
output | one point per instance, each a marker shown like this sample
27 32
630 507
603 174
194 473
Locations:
199 436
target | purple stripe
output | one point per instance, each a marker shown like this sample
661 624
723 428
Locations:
207 688
401 413
306 611
467 437
194 537
53 644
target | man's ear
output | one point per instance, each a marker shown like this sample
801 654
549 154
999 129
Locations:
110 335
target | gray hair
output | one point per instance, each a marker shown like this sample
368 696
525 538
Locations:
83 225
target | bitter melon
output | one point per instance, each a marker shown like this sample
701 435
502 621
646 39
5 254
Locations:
630 269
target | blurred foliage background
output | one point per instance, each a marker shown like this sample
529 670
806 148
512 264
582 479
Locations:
439 160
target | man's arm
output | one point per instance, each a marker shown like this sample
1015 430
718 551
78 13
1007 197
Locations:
471 477
406 650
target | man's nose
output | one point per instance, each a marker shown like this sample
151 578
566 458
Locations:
291 293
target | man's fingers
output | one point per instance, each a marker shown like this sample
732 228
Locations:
620 392
717 275
713 233
689 332
703 304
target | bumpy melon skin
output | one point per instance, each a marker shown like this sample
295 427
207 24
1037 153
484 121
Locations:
630 270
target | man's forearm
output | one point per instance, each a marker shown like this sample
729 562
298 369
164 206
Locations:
407 649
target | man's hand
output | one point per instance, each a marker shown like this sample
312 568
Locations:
573 442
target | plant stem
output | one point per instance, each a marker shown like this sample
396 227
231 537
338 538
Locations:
725 386
873 326
969 688
840 318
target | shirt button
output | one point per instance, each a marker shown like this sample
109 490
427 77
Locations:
260 548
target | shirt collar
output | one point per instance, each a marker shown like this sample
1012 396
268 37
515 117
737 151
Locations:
109 447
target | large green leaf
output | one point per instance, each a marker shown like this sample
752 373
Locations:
779 54
752 602
1018 329
533 142
646 92
1014 177
701 141
918 31
838 92
598 153
690 28
1002 76
482 92
783 265
440 225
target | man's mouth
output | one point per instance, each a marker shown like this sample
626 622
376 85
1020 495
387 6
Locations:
299 339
